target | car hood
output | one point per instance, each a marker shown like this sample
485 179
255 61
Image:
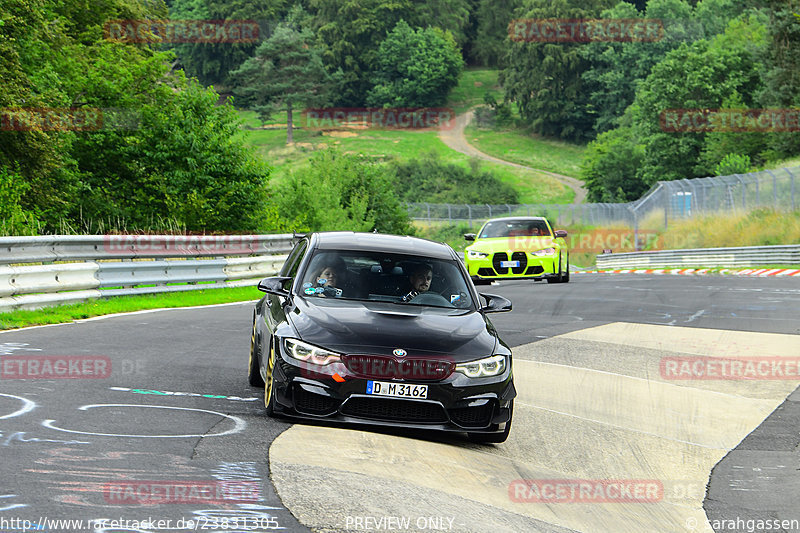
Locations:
504 244
378 328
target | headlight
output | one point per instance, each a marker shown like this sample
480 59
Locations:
491 366
309 353
474 254
546 251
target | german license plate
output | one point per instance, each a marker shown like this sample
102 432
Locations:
397 390
509 264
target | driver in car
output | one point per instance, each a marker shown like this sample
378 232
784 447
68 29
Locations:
420 280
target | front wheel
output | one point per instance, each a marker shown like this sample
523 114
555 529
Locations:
486 438
269 388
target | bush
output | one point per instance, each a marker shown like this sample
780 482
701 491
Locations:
733 164
431 180
342 192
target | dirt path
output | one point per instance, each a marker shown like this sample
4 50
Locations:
455 139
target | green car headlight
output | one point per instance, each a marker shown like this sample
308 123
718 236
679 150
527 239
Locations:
309 353
546 251
490 366
474 254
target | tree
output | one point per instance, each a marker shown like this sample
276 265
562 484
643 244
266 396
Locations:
544 78
415 68
610 167
212 63
491 41
284 72
782 69
697 76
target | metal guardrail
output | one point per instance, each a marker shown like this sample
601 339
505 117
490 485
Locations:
747 256
116 265
46 249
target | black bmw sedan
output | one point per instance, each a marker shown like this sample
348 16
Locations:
384 330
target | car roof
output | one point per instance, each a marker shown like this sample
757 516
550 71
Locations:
507 219
380 242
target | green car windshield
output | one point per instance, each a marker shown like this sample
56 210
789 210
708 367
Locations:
515 228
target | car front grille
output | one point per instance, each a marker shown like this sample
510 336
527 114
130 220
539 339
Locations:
395 410
313 404
382 367
473 417
499 257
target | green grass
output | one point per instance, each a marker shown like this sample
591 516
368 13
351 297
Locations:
517 146
472 86
533 187
123 304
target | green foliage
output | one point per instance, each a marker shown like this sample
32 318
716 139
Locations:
491 42
544 79
14 220
284 72
415 68
212 62
431 180
697 76
178 158
610 167
782 70
733 164
341 192
718 144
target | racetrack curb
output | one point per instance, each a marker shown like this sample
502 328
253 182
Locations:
761 272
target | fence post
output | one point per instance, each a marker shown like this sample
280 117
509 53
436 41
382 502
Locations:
449 214
758 193
774 189
666 207
490 210
509 209
429 211
791 178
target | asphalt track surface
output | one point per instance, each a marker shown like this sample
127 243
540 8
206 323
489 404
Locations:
172 408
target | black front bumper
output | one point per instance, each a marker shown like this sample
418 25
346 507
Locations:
483 407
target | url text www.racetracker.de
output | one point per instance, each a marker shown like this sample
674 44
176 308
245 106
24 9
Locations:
108 525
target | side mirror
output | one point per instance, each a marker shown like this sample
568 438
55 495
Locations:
274 286
560 233
495 304
469 236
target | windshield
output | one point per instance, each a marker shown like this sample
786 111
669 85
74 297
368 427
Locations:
385 277
515 228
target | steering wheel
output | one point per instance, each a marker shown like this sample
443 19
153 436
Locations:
430 298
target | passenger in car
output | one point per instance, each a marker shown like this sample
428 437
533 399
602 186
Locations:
331 278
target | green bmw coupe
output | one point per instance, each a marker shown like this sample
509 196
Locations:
517 248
